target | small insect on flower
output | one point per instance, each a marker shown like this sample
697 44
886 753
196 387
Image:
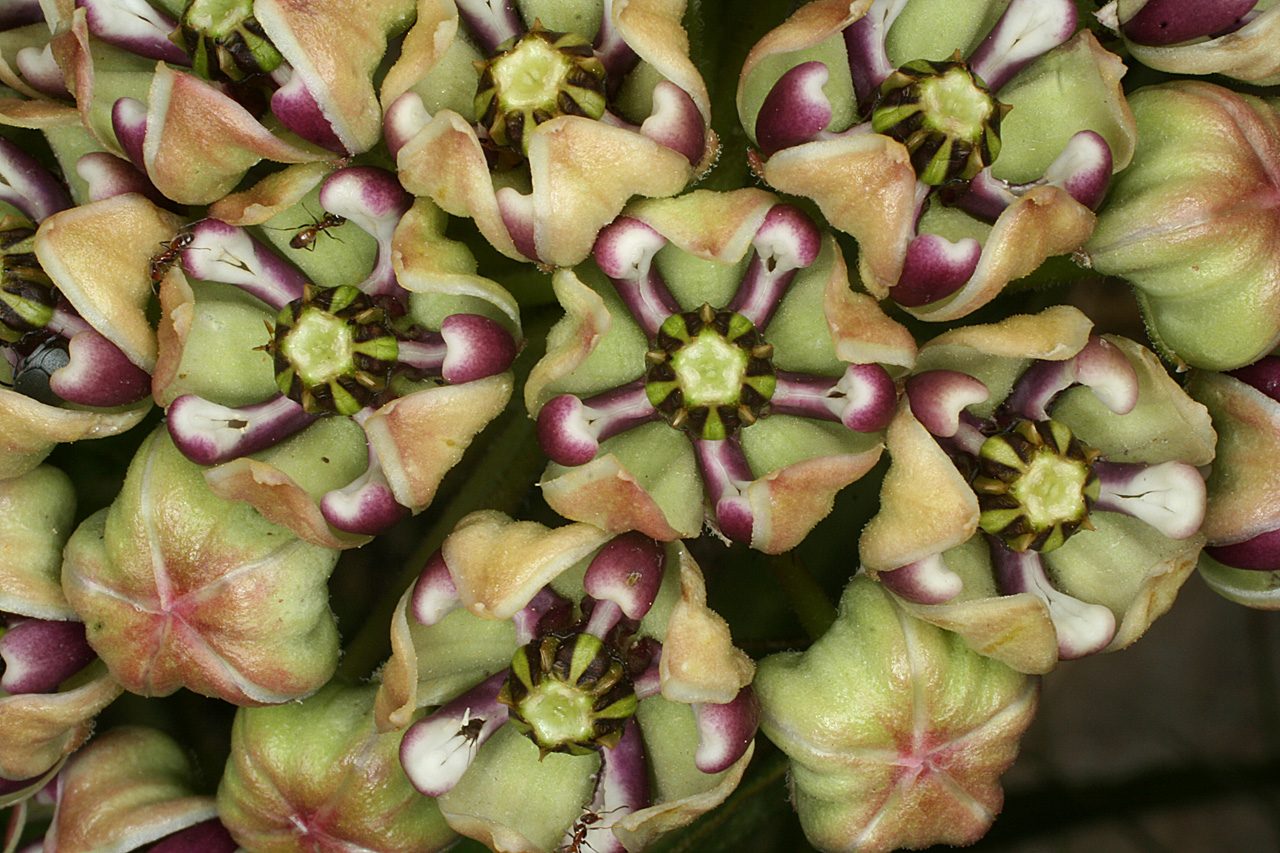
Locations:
170 249
308 234
578 832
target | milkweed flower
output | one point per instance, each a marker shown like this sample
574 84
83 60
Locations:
1237 38
363 391
582 691
897 732
1043 498
713 365
961 144
540 123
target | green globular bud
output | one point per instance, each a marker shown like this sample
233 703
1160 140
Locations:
225 41
710 372
1035 484
569 694
944 115
535 78
334 350
27 295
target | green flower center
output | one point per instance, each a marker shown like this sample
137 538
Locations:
1035 484
225 41
334 351
945 117
710 372
535 78
569 694
27 295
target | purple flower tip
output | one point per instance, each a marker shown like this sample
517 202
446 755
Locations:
1263 376
40 654
364 507
725 731
935 268
437 750
99 374
404 118
208 433
1259 554
937 398
1163 22
788 239
795 110
565 431
927 581
676 122
475 347
625 248
435 595
627 571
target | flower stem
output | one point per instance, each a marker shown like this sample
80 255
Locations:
810 603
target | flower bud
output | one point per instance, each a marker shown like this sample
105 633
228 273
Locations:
317 775
897 732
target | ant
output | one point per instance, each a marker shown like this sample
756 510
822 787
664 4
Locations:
161 262
582 826
308 234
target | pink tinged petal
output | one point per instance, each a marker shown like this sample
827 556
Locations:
787 241
864 42
1169 496
1082 170
41 71
40 654
627 571
373 200
570 430
1100 366
403 119
297 109
519 218
437 750
1259 554
1165 22
208 433
99 374
229 254
938 397
1027 29
612 50
649 682
28 186
624 251
490 22
796 109
1082 628
435 595
475 347
726 476
366 505
109 176
621 789
676 122
935 268
209 836
546 611
725 731
135 26
863 399
129 122
927 581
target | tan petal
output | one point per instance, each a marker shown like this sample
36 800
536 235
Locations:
279 499
199 142
605 494
813 23
699 660
499 564
397 698
865 185
444 161
30 429
861 331
654 29
1041 224
38 729
1054 334
434 29
273 194
419 437
1159 588
37 115
713 225
1013 629
787 503
926 505
574 337
641 828
177 312
71 51
1249 53
99 256
584 172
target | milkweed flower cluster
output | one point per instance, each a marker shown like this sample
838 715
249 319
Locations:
481 288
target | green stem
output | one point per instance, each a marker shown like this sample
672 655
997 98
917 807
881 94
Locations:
814 609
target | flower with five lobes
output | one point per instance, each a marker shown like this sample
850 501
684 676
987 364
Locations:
713 366
1043 498
346 413
962 142
541 120
585 692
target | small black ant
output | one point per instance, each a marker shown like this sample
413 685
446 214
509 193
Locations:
308 234
161 262
582 826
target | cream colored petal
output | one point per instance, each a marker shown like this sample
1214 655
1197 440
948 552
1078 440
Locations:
606 494
499 564
1054 334
787 503
397 698
699 661
654 29
30 429
99 256
1248 54
38 729
37 115
177 312
865 186
584 172
926 506
273 194
812 24
419 437
861 331
1013 629
573 338
713 225
427 41
1159 588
